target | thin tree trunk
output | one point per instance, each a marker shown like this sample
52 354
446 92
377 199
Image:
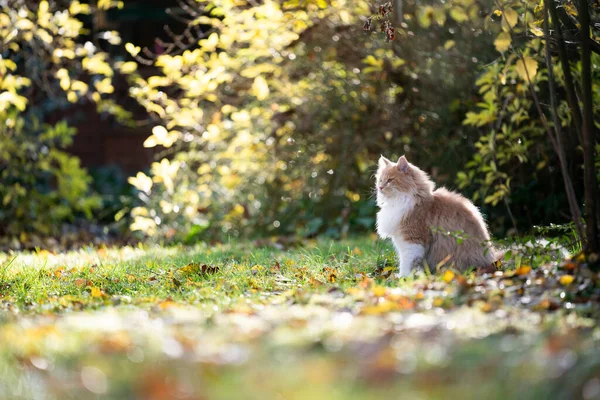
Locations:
590 179
570 191
399 10
564 61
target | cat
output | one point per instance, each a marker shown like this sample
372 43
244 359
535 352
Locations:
418 217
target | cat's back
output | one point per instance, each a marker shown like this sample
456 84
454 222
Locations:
454 212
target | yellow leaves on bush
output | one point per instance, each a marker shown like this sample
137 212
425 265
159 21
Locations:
96 64
127 68
108 4
141 182
211 43
132 49
374 64
526 68
449 44
160 136
503 41
458 14
63 75
165 171
509 19
8 99
104 86
260 88
77 8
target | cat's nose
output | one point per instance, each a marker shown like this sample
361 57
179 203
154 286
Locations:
380 188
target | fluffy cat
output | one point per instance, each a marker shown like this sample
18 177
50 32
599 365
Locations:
417 218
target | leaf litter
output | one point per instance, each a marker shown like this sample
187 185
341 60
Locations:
316 326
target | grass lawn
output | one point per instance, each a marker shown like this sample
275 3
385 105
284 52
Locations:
323 320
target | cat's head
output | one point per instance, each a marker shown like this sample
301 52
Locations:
399 178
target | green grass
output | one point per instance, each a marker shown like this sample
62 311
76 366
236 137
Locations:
324 320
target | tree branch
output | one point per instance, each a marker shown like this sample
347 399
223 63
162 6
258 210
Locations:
570 191
590 179
564 61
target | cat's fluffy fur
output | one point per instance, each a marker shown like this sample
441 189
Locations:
418 219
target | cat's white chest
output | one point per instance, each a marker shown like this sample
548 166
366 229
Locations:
391 215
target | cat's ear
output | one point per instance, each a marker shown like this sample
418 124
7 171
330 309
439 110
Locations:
384 162
402 164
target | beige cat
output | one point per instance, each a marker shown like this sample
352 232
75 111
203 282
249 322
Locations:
417 218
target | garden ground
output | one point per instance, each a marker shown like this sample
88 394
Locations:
321 320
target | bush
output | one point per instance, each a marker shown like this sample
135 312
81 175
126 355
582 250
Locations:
41 186
46 67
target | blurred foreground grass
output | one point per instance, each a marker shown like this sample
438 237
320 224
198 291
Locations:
324 320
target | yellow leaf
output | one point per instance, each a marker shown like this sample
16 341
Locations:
79 86
332 277
128 67
448 276
509 19
378 291
132 49
536 30
449 44
502 42
95 292
78 8
211 43
72 97
526 67
260 88
566 280
458 14
357 251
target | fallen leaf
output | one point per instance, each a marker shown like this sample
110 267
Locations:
523 270
314 282
80 282
96 292
378 291
332 277
566 280
276 268
448 276
387 271
569 266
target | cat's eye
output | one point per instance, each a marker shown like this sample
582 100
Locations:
389 180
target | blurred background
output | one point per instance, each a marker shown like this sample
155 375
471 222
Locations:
194 120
